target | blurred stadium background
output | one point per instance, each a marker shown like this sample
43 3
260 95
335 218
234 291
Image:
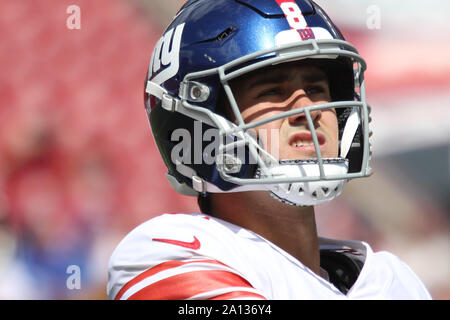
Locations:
79 168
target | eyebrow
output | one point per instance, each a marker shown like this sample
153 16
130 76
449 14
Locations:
267 79
262 78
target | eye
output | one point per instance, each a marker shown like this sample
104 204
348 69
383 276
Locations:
270 92
315 89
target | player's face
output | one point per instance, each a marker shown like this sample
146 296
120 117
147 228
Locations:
280 89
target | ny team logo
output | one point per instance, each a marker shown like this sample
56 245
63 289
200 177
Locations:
166 56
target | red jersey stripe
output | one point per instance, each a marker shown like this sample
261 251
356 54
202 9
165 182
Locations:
186 285
158 268
238 294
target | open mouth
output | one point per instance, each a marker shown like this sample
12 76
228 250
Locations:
304 140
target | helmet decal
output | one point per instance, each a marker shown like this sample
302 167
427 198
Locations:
295 18
166 55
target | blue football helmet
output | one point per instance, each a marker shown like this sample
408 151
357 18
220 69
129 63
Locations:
211 42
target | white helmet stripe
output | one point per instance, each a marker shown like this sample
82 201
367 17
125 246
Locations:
350 128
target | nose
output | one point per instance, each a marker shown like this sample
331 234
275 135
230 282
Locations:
298 119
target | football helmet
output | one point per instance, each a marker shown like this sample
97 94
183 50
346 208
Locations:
211 42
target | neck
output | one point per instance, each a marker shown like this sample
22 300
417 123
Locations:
291 228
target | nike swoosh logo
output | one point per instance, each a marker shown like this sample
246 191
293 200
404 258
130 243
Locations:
190 245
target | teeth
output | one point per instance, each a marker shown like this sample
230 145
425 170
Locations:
300 143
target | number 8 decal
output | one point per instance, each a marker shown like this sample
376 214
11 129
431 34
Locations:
293 15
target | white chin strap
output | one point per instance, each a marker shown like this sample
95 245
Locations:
308 193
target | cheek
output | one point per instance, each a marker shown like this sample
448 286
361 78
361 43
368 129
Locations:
252 113
257 113
268 135
330 125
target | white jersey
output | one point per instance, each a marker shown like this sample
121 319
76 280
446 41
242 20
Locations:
196 256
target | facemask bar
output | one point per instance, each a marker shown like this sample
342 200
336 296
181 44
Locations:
227 72
254 148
